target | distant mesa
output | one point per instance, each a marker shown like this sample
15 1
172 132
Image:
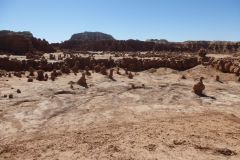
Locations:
20 43
163 41
8 33
91 36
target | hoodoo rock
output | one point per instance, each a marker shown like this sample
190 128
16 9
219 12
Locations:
130 75
40 75
111 74
54 74
82 81
199 87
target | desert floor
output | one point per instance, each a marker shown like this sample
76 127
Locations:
110 120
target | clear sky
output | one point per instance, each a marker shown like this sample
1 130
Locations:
174 20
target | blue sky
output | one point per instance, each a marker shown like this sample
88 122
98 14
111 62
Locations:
174 20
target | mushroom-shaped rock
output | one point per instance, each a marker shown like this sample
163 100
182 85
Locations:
82 81
199 87
130 75
54 75
40 75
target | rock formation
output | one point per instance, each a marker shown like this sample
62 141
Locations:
82 81
18 91
130 75
97 68
136 45
54 74
18 74
91 36
65 69
103 70
46 77
30 80
202 53
87 71
52 57
31 71
111 74
118 71
217 78
199 87
126 71
75 68
183 77
22 42
10 96
40 75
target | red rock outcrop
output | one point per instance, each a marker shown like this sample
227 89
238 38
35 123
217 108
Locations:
135 45
199 87
20 43
82 81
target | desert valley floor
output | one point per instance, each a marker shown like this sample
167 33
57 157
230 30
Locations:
163 119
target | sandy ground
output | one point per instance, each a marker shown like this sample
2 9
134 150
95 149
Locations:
110 120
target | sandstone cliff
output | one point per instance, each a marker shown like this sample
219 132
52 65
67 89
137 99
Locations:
20 43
